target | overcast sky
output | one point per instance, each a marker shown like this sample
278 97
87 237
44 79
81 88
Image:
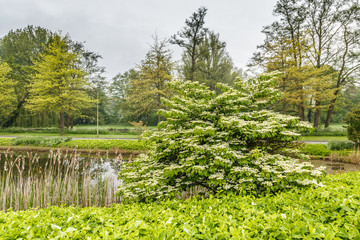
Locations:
120 31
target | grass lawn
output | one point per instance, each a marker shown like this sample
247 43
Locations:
324 138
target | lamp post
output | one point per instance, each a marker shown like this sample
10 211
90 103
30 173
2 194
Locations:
97 112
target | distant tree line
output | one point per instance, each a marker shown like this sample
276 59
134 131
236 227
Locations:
47 79
316 45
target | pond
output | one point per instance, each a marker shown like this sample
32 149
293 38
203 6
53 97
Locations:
336 167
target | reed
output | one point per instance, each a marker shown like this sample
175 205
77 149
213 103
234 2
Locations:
64 178
346 156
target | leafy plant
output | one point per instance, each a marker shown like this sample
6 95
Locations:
139 128
353 120
315 150
40 141
213 144
341 145
328 212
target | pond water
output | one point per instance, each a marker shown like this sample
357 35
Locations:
336 167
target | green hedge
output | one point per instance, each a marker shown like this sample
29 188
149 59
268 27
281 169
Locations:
81 143
106 144
315 149
40 141
341 145
326 132
5 141
329 212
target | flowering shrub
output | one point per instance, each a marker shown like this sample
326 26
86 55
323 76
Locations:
220 143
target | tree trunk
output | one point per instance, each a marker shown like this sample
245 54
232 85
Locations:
309 115
331 109
68 121
72 122
62 122
317 114
301 113
283 107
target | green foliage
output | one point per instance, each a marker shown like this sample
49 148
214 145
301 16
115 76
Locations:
329 212
80 130
7 90
325 132
353 120
189 38
341 145
220 143
315 150
5 141
59 83
145 91
40 141
106 144
19 48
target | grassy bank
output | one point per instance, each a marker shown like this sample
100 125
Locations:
78 135
33 143
323 138
329 212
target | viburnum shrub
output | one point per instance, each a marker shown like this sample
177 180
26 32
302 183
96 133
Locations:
220 143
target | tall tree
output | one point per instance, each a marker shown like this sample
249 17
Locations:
19 48
7 90
146 91
189 38
58 83
215 64
119 87
320 34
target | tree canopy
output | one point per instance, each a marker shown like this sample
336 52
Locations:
58 82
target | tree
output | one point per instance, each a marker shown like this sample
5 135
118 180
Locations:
189 38
215 64
317 34
145 91
19 49
219 144
58 83
118 90
7 96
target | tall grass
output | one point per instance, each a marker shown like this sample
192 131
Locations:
346 156
63 179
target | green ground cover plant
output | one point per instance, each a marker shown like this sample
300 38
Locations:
328 212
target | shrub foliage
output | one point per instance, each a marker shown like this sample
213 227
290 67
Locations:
353 120
220 143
